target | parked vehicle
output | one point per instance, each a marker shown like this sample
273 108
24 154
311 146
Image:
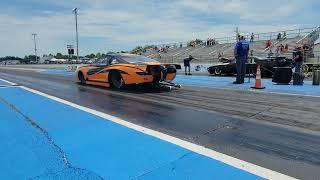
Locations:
267 66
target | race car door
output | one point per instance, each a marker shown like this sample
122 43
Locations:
99 73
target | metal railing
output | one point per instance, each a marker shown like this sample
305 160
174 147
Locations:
213 59
257 37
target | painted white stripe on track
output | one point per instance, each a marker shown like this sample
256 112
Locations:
10 86
240 164
24 69
11 83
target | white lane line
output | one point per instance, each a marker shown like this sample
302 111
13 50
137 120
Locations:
10 86
23 69
240 164
11 83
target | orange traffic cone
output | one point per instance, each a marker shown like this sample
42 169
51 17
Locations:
258 84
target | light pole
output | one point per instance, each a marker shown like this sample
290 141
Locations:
35 46
75 10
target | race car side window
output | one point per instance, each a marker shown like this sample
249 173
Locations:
113 61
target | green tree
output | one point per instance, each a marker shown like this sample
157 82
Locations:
98 55
138 49
90 56
195 42
29 58
59 56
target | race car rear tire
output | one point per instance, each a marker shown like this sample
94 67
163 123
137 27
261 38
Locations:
81 78
116 80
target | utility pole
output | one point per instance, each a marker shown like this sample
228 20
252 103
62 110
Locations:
75 10
237 34
35 46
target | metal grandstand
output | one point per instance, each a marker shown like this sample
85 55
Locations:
210 54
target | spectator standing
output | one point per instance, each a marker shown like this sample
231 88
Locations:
284 35
268 44
277 51
279 36
241 51
186 63
251 56
286 48
298 59
281 48
219 56
252 37
270 54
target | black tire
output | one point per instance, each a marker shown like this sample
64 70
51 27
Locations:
217 71
211 72
81 78
116 80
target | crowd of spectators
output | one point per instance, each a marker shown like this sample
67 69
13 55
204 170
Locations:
212 41
163 49
282 49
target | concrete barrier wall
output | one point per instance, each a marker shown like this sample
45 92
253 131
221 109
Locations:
67 67
195 67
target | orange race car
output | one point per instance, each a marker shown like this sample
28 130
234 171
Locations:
119 69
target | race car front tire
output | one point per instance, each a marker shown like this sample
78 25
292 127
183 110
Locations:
81 78
116 80
217 71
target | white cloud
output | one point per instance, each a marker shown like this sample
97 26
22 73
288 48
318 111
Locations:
116 25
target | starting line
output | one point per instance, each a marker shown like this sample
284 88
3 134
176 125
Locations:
104 145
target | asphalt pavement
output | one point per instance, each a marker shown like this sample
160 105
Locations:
275 131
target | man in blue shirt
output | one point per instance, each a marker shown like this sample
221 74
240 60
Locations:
241 51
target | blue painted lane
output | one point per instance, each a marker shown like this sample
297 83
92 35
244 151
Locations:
97 147
227 83
57 72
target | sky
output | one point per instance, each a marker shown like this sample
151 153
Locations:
115 25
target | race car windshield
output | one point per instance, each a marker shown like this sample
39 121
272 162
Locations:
133 59
101 62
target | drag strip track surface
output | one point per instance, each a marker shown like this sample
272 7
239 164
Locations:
273 131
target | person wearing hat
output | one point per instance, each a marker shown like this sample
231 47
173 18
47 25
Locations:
241 51
186 63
